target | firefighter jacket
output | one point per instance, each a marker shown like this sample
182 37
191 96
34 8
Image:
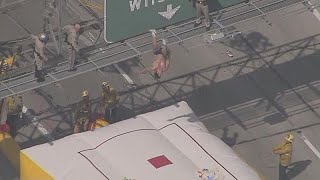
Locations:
15 104
83 112
285 151
110 98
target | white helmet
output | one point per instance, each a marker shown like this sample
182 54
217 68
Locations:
43 37
85 93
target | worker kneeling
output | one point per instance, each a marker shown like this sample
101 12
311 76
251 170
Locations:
83 115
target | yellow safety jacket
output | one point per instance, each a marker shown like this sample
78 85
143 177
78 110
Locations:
15 104
110 99
285 151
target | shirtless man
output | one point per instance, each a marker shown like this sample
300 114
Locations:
161 59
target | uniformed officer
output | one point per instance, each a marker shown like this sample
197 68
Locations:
83 114
72 35
285 151
202 8
110 100
39 57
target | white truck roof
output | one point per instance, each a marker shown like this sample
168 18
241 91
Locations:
170 143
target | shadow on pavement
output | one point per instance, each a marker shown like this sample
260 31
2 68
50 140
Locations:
229 140
243 87
297 167
10 172
255 39
274 119
9 158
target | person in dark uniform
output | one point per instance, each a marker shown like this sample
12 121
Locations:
83 115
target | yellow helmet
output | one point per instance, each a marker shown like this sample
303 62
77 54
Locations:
85 93
105 84
290 137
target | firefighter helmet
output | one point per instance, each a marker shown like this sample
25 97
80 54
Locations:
290 137
105 84
43 37
85 93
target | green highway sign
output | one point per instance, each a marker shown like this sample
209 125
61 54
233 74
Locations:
129 18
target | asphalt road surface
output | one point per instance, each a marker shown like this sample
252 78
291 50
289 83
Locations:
251 100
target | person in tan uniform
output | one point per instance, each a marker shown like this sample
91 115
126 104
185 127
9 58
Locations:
39 57
72 35
202 8
284 150
83 115
110 100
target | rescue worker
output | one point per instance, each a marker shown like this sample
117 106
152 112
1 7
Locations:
110 100
39 57
285 151
11 111
72 35
202 8
83 114
161 57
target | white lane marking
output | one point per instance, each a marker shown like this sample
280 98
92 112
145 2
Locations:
38 125
315 11
309 144
24 109
125 75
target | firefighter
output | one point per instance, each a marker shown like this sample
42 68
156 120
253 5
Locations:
285 152
11 111
110 100
39 57
72 35
83 114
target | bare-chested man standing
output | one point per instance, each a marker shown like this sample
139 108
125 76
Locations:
161 59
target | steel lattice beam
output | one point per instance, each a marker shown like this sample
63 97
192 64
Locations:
27 81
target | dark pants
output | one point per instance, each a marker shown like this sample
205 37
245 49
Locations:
13 121
110 114
282 172
39 74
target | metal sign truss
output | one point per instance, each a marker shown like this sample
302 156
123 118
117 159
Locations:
135 47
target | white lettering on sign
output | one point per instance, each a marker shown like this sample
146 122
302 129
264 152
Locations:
170 12
136 4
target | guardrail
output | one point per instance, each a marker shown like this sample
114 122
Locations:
135 47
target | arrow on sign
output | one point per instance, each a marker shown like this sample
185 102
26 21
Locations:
170 12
